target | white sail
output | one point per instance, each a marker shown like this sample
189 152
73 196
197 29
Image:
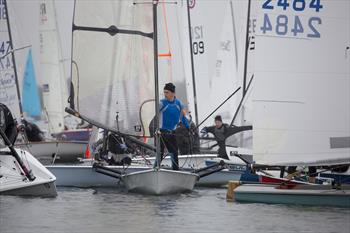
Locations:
54 87
245 48
113 73
8 92
302 83
219 47
174 59
215 57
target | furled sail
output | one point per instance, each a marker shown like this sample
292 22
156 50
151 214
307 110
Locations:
112 62
8 92
54 86
302 83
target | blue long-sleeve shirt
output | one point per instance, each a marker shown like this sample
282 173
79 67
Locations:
171 114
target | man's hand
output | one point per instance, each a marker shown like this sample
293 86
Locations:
204 130
123 147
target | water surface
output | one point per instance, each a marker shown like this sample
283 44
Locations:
204 210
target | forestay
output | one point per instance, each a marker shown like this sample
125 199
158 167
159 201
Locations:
302 83
112 62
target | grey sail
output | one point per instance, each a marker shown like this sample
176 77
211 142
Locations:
115 71
112 62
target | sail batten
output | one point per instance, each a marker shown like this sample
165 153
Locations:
113 30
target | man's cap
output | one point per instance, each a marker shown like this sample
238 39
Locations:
169 87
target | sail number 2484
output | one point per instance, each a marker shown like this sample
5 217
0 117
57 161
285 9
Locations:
296 26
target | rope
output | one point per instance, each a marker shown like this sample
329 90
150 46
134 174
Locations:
26 143
169 54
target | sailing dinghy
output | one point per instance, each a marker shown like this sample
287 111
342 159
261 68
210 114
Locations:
20 172
47 112
301 98
126 35
15 181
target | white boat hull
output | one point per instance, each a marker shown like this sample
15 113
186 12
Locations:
160 182
86 176
45 189
58 151
13 182
320 195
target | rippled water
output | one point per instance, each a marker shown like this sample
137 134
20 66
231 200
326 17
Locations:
204 210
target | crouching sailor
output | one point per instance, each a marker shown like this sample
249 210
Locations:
221 132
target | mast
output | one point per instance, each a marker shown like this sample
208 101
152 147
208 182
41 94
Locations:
192 64
234 34
13 61
246 51
245 87
63 83
156 81
71 94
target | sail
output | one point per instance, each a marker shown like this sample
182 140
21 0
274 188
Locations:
8 92
30 93
112 62
174 57
244 13
54 86
302 83
214 48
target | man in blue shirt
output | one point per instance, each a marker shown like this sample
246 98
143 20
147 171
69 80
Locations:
172 112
